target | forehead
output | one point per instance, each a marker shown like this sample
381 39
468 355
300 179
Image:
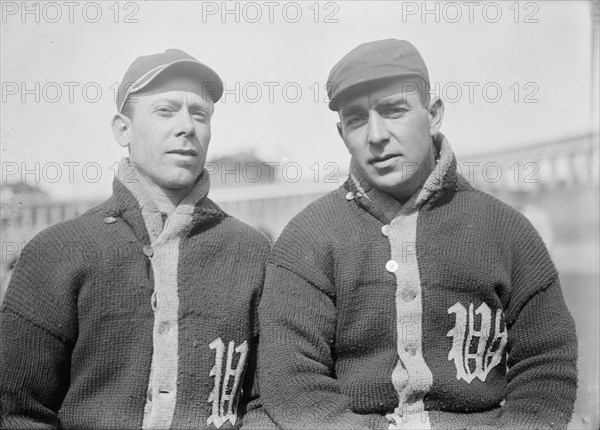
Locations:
175 97
372 94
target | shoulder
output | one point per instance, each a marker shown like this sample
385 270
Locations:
504 213
319 214
236 231
82 228
502 224
244 232
487 207
316 229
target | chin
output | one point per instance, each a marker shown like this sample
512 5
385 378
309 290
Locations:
394 185
180 183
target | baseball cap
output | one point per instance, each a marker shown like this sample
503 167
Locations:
146 69
373 61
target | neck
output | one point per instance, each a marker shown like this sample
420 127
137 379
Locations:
165 199
418 179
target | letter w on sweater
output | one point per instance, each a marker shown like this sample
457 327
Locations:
486 356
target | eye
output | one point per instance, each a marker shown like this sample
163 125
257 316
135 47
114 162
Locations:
355 121
200 115
394 112
163 110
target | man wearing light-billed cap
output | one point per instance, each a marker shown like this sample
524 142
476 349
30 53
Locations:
407 299
141 313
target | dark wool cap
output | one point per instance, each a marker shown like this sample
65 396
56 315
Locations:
373 61
146 69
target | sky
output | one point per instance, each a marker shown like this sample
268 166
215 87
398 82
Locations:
511 74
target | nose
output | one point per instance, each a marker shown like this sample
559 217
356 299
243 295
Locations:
377 132
185 125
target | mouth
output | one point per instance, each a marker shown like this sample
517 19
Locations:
183 152
382 159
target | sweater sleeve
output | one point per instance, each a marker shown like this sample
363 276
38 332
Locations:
542 341
36 331
542 373
297 321
541 345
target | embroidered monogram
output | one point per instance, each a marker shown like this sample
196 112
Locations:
225 392
473 353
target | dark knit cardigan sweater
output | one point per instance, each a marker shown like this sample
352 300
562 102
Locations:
81 328
444 312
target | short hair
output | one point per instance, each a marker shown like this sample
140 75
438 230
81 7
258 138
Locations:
425 96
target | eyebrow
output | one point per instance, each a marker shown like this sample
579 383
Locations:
351 110
387 102
178 102
395 100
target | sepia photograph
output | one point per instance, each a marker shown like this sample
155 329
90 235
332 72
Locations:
300 215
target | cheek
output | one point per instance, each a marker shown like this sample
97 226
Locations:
142 146
353 142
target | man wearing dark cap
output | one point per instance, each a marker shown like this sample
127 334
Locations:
407 299
141 313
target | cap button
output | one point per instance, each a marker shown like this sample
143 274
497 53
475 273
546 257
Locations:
349 195
110 220
148 251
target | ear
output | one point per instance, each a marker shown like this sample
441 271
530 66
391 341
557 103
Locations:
436 115
121 126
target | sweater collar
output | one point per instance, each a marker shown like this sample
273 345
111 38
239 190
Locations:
131 200
385 206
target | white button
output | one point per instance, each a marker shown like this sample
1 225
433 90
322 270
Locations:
386 230
391 266
110 220
349 195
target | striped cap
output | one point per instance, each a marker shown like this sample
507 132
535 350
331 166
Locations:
145 69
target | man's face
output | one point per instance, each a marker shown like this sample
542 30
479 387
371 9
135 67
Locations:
388 132
169 136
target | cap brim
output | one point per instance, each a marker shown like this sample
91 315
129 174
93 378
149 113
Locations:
361 85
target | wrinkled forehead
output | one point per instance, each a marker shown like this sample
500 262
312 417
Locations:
390 91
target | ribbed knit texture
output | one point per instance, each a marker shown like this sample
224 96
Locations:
330 316
76 324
